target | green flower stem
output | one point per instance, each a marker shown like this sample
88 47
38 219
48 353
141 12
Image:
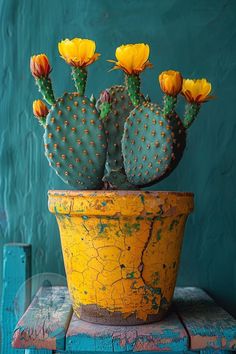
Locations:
105 108
191 112
42 121
132 83
45 88
169 103
79 75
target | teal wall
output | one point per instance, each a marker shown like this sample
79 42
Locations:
197 37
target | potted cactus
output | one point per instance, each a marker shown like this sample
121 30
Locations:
121 245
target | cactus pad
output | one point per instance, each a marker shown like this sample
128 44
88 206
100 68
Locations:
75 141
152 144
121 106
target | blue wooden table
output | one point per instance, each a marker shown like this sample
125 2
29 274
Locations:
195 324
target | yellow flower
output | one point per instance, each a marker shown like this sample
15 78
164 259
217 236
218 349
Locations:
78 52
171 82
40 110
132 58
196 90
40 66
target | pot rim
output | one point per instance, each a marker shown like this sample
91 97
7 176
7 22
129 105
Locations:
122 202
99 192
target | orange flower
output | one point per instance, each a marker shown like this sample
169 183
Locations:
78 52
171 82
132 58
40 110
196 91
40 66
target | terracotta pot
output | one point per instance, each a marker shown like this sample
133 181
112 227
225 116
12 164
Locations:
121 251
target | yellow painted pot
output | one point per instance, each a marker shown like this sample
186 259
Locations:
121 251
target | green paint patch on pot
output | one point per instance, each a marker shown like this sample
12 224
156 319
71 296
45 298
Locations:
159 234
142 198
155 306
130 275
164 302
174 223
154 291
160 219
130 228
156 278
139 218
104 203
102 227
84 217
133 285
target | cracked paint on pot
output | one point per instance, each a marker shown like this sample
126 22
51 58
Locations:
121 251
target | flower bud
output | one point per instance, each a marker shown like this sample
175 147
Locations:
105 96
40 66
40 110
171 82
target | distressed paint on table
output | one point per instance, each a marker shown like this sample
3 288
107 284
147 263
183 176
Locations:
183 34
167 335
40 351
45 322
16 270
208 325
212 351
171 352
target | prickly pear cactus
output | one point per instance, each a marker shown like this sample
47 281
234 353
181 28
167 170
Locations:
75 141
125 141
152 144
